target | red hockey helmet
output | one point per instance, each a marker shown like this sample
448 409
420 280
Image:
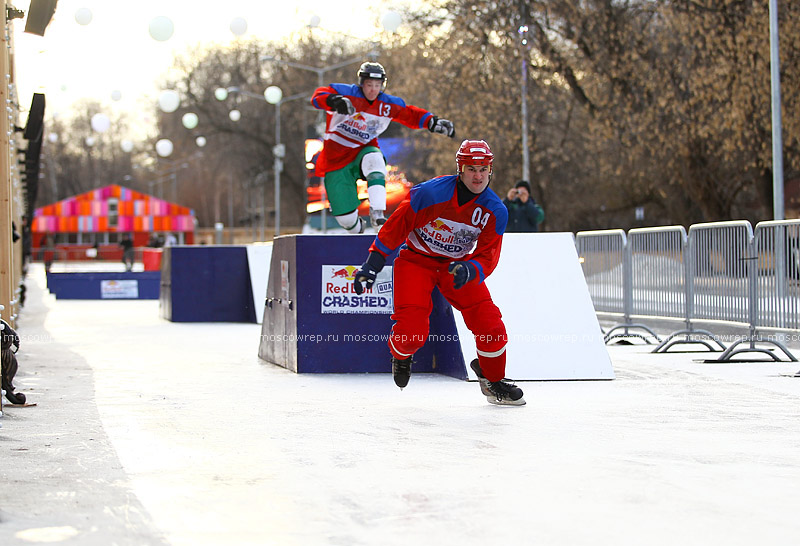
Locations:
474 152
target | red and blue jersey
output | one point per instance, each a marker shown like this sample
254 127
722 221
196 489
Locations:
431 222
346 135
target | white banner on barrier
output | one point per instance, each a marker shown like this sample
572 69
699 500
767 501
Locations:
123 289
337 294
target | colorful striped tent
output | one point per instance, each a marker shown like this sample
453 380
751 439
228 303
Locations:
89 213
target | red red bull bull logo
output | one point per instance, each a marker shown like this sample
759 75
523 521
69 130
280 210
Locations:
347 272
448 237
439 225
338 294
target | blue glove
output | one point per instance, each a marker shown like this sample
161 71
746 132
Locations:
462 273
365 277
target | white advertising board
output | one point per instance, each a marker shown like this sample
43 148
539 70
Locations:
259 257
119 289
551 323
337 294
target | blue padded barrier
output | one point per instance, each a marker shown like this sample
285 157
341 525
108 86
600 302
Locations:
206 284
297 335
98 285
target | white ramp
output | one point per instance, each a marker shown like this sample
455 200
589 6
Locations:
259 257
552 327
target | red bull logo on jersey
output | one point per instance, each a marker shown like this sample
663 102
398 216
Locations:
338 295
448 237
363 127
440 225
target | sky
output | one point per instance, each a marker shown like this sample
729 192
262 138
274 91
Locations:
115 61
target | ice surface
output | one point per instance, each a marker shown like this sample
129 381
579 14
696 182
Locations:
207 444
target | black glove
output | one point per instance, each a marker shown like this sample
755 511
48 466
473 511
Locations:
462 273
340 104
441 126
369 270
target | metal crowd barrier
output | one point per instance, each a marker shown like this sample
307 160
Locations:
720 271
777 245
662 284
605 260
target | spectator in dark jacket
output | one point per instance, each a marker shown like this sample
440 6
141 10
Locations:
524 215
127 252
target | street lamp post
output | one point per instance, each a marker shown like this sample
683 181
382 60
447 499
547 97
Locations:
171 176
273 95
777 129
523 33
160 181
170 173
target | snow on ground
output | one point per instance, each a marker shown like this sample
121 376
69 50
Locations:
197 442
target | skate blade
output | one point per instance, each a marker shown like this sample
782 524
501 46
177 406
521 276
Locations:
493 400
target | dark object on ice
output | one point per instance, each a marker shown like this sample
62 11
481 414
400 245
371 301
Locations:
10 345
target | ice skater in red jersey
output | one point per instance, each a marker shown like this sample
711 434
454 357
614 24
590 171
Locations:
450 230
356 116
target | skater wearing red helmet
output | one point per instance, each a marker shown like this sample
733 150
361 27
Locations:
451 230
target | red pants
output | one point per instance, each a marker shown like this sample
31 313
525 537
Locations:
415 276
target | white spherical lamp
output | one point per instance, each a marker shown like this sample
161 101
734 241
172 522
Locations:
116 95
89 141
169 100
238 26
200 141
220 93
126 145
273 94
235 115
164 147
161 28
100 122
314 21
391 20
189 120
83 16
53 138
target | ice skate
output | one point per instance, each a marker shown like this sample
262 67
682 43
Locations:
502 393
484 383
401 371
376 218
505 393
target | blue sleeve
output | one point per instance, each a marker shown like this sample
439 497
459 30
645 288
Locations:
432 192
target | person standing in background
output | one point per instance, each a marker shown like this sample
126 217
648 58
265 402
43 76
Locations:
524 214
127 252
